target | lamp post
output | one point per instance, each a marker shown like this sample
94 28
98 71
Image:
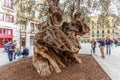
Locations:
20 36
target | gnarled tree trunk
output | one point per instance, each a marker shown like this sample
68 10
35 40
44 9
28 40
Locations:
56 44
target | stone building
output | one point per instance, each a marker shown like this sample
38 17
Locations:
8 29
101 27
28 23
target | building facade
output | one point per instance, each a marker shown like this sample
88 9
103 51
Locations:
7 18
28 28
101 27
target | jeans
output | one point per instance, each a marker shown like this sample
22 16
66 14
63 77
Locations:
16 53
108 49
10 56
102 51
93 49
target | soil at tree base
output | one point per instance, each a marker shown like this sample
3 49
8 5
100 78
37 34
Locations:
89 69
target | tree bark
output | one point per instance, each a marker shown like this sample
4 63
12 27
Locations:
55 45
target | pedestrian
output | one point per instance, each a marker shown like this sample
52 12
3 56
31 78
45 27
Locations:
25 52
108 45
102 47
18 52
10 50
5 47
93 45
116 42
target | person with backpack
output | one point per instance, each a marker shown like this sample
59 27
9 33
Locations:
116 42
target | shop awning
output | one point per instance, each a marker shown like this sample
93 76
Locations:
5 36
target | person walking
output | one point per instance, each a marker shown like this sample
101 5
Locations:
116 42
108 45
11 50
6 47
93 45
102 47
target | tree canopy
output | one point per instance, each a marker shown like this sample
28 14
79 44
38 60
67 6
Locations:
87 8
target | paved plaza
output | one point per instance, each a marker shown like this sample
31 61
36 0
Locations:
111 63
4 57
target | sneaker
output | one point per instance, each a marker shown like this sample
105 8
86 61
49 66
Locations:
103 57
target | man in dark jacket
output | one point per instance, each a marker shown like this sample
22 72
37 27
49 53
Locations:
25 52
10 50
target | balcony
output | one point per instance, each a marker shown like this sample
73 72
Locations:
22 15
8 8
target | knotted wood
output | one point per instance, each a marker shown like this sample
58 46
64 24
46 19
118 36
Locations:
56 43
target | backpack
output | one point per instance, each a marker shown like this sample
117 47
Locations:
26 51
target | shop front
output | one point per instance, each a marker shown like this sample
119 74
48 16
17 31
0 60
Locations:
32 40
5 36
22 39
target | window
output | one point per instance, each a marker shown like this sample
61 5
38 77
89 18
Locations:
9 18
97 33
92 33
0 31
1 16
113 31
97 24
102 31
33 2
4 31
92 24
8 3
23 26
108 31
9 32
